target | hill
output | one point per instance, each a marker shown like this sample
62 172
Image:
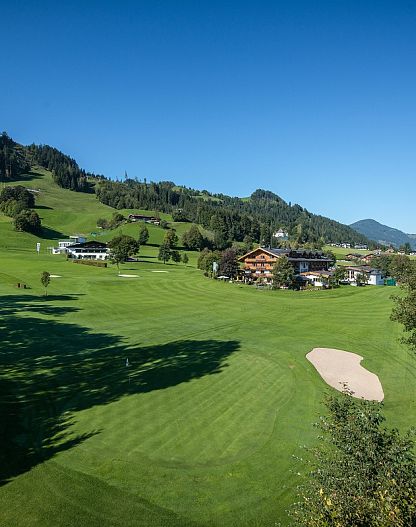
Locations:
383 234
231 219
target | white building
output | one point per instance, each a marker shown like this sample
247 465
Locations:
281 234
64 244
317 278
374 276
88 251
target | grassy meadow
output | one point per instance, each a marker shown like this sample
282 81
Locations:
202 428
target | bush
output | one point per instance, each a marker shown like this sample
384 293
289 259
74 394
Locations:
93 263
28 221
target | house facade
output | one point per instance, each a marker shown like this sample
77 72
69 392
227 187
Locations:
88 250
317 278
258 263
374 276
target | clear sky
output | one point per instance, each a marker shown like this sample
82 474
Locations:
314 100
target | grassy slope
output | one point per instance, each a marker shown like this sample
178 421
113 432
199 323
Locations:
219 398
65 213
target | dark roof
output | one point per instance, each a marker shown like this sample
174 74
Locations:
89 245
294 255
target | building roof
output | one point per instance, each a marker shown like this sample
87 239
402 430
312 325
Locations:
317 273
294 255
362 268
89 245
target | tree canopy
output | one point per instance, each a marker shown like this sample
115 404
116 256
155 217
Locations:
361 474
283 273
122 247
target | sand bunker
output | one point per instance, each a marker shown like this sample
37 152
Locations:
159 271
55 276
337 367
129 275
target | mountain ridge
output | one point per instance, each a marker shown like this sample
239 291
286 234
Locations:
383 234
231 219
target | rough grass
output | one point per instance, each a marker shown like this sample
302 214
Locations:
201 429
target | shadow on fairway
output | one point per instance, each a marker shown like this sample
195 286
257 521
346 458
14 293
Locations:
50 368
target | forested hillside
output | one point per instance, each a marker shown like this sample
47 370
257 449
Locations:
383 233
229 218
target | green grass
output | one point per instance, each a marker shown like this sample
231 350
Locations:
219 400
64 213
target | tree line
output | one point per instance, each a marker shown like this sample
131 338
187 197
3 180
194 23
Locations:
229 218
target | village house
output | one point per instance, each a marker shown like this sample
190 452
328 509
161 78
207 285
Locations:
91 250
142 217
317 278
353 256
373 276
281 234
258 263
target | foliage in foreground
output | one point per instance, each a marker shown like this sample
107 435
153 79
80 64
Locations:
404 310
362 474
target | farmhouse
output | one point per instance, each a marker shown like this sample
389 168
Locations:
374 276
142 217
353 256
88 250
258 264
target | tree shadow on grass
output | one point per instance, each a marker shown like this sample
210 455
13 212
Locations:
51 369
48 233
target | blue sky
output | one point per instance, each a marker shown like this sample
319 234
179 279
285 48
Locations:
313 100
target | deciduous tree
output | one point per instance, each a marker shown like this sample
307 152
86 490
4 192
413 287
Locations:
143 234
122 247
28 221
361 474
45 279
165 253
283 273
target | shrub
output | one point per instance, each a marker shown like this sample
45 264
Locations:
93 263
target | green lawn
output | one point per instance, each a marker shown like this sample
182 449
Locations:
202 428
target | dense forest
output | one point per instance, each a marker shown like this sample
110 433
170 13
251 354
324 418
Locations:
229 218
13 159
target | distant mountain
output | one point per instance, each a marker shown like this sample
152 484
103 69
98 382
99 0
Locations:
383 234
